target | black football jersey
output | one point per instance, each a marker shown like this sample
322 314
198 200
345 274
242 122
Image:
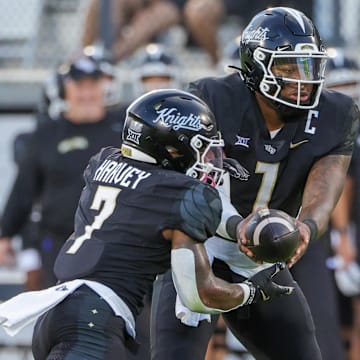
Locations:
278 165
122 212
354 172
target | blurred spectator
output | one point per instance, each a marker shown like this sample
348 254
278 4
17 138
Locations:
135 22
344 76
203 18
155 69
52 162
230 56
53 104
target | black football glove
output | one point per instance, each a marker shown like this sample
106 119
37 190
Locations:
235 170
262 288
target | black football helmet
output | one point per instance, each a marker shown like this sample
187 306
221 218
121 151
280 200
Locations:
176 130
282 36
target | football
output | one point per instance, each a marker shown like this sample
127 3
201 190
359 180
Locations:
272 235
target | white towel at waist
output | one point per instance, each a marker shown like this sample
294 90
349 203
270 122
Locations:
187 316
25 308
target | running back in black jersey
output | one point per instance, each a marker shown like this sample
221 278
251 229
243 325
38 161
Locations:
278 165
122 212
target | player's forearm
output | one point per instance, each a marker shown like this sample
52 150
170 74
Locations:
230 218
218 294
323 188
197 286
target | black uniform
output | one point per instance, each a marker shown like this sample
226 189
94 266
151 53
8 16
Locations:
278 167
118 242
354 173
50 174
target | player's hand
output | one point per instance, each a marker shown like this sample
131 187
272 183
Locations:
262 288
7 256
303 244
242 240
235 170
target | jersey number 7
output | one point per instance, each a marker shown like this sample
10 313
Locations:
104 195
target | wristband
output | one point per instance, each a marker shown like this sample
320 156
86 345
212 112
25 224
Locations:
231 225
313 228
247 293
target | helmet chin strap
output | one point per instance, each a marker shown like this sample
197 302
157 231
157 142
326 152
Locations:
207 179
286 113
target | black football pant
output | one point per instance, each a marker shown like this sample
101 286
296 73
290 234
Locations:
317 284
281 329
82 327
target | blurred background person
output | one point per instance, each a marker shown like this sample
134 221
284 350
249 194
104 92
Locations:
134 23
155 68
56 153
52 102
204 18
344 76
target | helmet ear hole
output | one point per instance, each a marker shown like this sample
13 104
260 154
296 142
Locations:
259 55
196 142
264 87
192 173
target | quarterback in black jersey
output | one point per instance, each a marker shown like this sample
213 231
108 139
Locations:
143 209
295 140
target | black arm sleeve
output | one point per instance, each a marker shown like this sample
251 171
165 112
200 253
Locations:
24 192
200 211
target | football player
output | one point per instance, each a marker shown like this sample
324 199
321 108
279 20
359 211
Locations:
296 140
143 207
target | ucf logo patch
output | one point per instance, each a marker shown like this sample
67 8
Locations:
270 149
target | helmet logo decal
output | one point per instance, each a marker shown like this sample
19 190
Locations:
134 132
171 117
259 34
133 136
297 15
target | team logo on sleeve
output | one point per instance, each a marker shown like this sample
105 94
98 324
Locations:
270 149
242 141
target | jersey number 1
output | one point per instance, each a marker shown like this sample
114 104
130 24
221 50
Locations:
104 195
270 174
